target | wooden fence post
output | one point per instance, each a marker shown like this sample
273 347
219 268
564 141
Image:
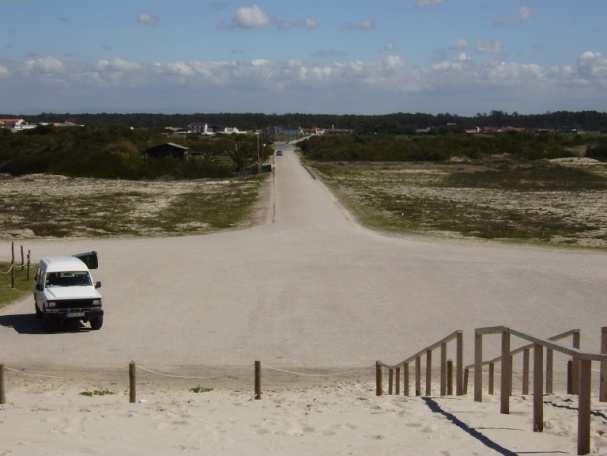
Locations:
2 385
397 382
583 431
478 367
257 380
569 377
132 383
390 381
450 378
603 380
526 371
22 256
443 369
538 384
465 386
12 275
506 378
549 371
429 373
459 364
378 380
406 379
492 378
12 252
418 376
575 373
28 264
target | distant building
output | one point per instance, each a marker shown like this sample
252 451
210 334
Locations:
338 131
168 150
11 123
201 129
16 125
67 123
233 131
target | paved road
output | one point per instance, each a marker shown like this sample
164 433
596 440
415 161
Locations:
311 289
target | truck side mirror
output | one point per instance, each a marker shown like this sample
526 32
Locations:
98 285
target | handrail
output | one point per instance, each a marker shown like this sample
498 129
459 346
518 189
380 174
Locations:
445 340
446 369
576 353
580 372
522 348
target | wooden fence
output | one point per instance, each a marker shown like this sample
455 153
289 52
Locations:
446 369
579 378
15 266
525 351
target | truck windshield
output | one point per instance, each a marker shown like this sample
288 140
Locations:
68 279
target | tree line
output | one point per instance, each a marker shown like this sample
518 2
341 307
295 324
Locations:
118 152
397 123
445 147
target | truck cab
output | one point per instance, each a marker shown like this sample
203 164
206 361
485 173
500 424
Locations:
64 290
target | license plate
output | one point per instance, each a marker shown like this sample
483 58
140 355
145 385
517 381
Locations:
75 314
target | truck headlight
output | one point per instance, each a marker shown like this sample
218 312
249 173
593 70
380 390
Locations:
96 302
50 304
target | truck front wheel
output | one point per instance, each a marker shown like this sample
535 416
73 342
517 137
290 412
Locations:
96 323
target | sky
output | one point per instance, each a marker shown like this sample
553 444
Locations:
277 56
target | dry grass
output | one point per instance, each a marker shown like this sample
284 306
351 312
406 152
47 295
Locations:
542 202
57 206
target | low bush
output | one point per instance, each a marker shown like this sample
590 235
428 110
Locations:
115 152
434 148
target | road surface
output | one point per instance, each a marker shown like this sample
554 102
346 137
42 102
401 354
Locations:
311 289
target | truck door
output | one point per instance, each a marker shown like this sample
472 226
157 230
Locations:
39 287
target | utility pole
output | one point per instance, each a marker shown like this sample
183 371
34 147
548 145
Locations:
258 153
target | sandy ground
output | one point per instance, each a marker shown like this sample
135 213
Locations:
312 289
341 417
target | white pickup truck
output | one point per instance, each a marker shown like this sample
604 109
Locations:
64 290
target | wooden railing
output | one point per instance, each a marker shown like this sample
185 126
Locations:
582 371
525 350
446 369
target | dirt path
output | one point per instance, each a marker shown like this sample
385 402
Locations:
311 289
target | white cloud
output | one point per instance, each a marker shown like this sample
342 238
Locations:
490 47
364 25
525 13
251 17
45 65
118 65
341 84
255 17
147 19
311 23
422 3
461 44
592 66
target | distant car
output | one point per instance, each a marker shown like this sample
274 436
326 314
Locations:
279 153
64 290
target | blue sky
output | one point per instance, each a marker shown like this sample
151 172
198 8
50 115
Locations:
462 56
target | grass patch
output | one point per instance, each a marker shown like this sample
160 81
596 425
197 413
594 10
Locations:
97 392
200 389
537 203
22 285
58 207
529 177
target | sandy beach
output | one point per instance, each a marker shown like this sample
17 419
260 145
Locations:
311 290
339 416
